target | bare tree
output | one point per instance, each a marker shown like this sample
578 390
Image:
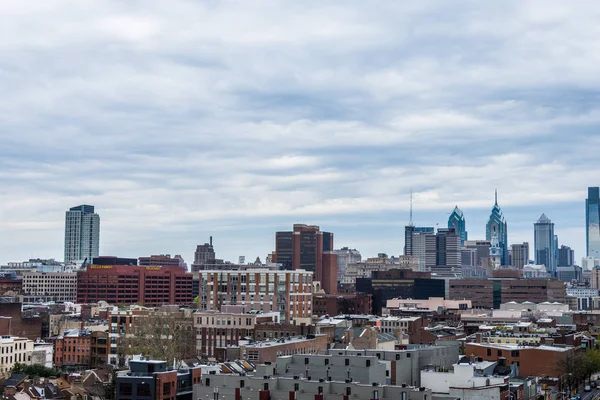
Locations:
163 336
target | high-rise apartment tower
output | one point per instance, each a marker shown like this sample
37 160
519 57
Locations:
82 234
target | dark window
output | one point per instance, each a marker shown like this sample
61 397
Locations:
397 356
306 361
296 387
126 389
143 390
265 386
242 383
348 391
499 353
514 353
347 362
166 388
207 382
320 390
489 352
407 355
368 363
327 361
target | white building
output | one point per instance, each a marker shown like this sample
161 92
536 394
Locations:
49 286
346 256
14 350
462 375
535 271
43 354
584 297
589 263
82 234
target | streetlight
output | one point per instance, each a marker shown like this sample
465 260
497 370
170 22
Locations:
215 393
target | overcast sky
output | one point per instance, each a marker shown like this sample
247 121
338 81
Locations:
184 119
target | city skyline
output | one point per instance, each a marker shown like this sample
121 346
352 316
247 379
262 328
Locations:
177 130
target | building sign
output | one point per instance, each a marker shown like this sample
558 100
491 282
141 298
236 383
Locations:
100 266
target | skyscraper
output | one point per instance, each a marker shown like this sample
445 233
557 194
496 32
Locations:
414 242
204 254
310 249
82 234
519 255
457 222
443 255
566 256
497 224
592 222
543 243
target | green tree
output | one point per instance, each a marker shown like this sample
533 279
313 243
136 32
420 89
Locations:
35 370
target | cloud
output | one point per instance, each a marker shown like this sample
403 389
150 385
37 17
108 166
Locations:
182 119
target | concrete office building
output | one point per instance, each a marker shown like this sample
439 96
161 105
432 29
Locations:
310 249
49 286
415 243
346 256
82 234
205 254
442 253
14 350
566 256
519 255
544 244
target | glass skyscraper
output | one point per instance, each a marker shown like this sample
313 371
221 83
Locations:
457 221
497 225
592 222
544 244
82 234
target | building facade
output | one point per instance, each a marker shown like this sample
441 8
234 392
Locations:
346 256
310 249
592 222
458 223
72 349
161 260
543 231
442 253
497 224
519 254
49 286
14 350
415 243
287 292
82 234
204 254
148 286
566 256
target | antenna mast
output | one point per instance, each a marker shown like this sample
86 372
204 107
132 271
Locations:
410 223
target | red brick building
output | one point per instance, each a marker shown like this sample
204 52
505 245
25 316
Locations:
10 286
13 323
531 360
72 349
338 304
148 286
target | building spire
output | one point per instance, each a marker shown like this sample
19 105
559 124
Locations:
496 197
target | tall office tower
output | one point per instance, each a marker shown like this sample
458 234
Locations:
482 248
82 234
414 242
543 238
519 255
346 256
204 254
442 252
592 223
497 224
458 223
566 256
310 249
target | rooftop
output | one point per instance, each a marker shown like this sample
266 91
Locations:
521 347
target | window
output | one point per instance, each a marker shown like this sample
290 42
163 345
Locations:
499 353
514 353
327 361
407 355
397 356
207 382
306 361
368 363
489 352
242 383
347 361
126 389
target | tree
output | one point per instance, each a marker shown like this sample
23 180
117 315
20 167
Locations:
35 370
164 336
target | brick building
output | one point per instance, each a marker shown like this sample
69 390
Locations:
72 349
308 248
288 292
13 322
99 349
490 293
337 304
531 360
152 379
222 329
261 352
148 286
10 285
158 261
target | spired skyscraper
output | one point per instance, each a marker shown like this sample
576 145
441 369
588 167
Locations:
457 222
82 234
592 222
544 243
497 226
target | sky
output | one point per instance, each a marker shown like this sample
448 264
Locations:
183 119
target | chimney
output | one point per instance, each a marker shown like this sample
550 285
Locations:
478 337
210 242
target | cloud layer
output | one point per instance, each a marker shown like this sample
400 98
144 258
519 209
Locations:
179 120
